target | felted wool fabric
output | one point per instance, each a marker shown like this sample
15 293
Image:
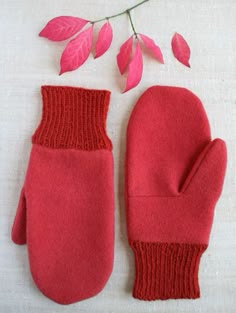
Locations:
65 212
174 176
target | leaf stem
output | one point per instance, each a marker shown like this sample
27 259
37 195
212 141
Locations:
132 24
120 13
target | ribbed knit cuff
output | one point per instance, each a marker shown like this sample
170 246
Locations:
166 270
73 118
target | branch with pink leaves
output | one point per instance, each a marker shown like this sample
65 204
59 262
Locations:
130 56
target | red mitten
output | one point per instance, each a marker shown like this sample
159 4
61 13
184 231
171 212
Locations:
65 211
174 176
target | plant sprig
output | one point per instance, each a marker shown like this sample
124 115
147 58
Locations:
127 11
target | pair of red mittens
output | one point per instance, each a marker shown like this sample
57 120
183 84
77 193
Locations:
65 213
174 176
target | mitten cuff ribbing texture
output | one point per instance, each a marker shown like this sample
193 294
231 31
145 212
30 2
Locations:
166 270
73 118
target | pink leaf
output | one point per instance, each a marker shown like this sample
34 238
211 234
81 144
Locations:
123 56
180 49
104 40
150 45
62 27
77 51
135 69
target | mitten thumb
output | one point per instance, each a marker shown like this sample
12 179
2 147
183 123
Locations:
18 233
207 175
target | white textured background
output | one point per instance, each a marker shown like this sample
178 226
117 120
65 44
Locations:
27 62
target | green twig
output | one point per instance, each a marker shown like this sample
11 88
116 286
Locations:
132 24
121 13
